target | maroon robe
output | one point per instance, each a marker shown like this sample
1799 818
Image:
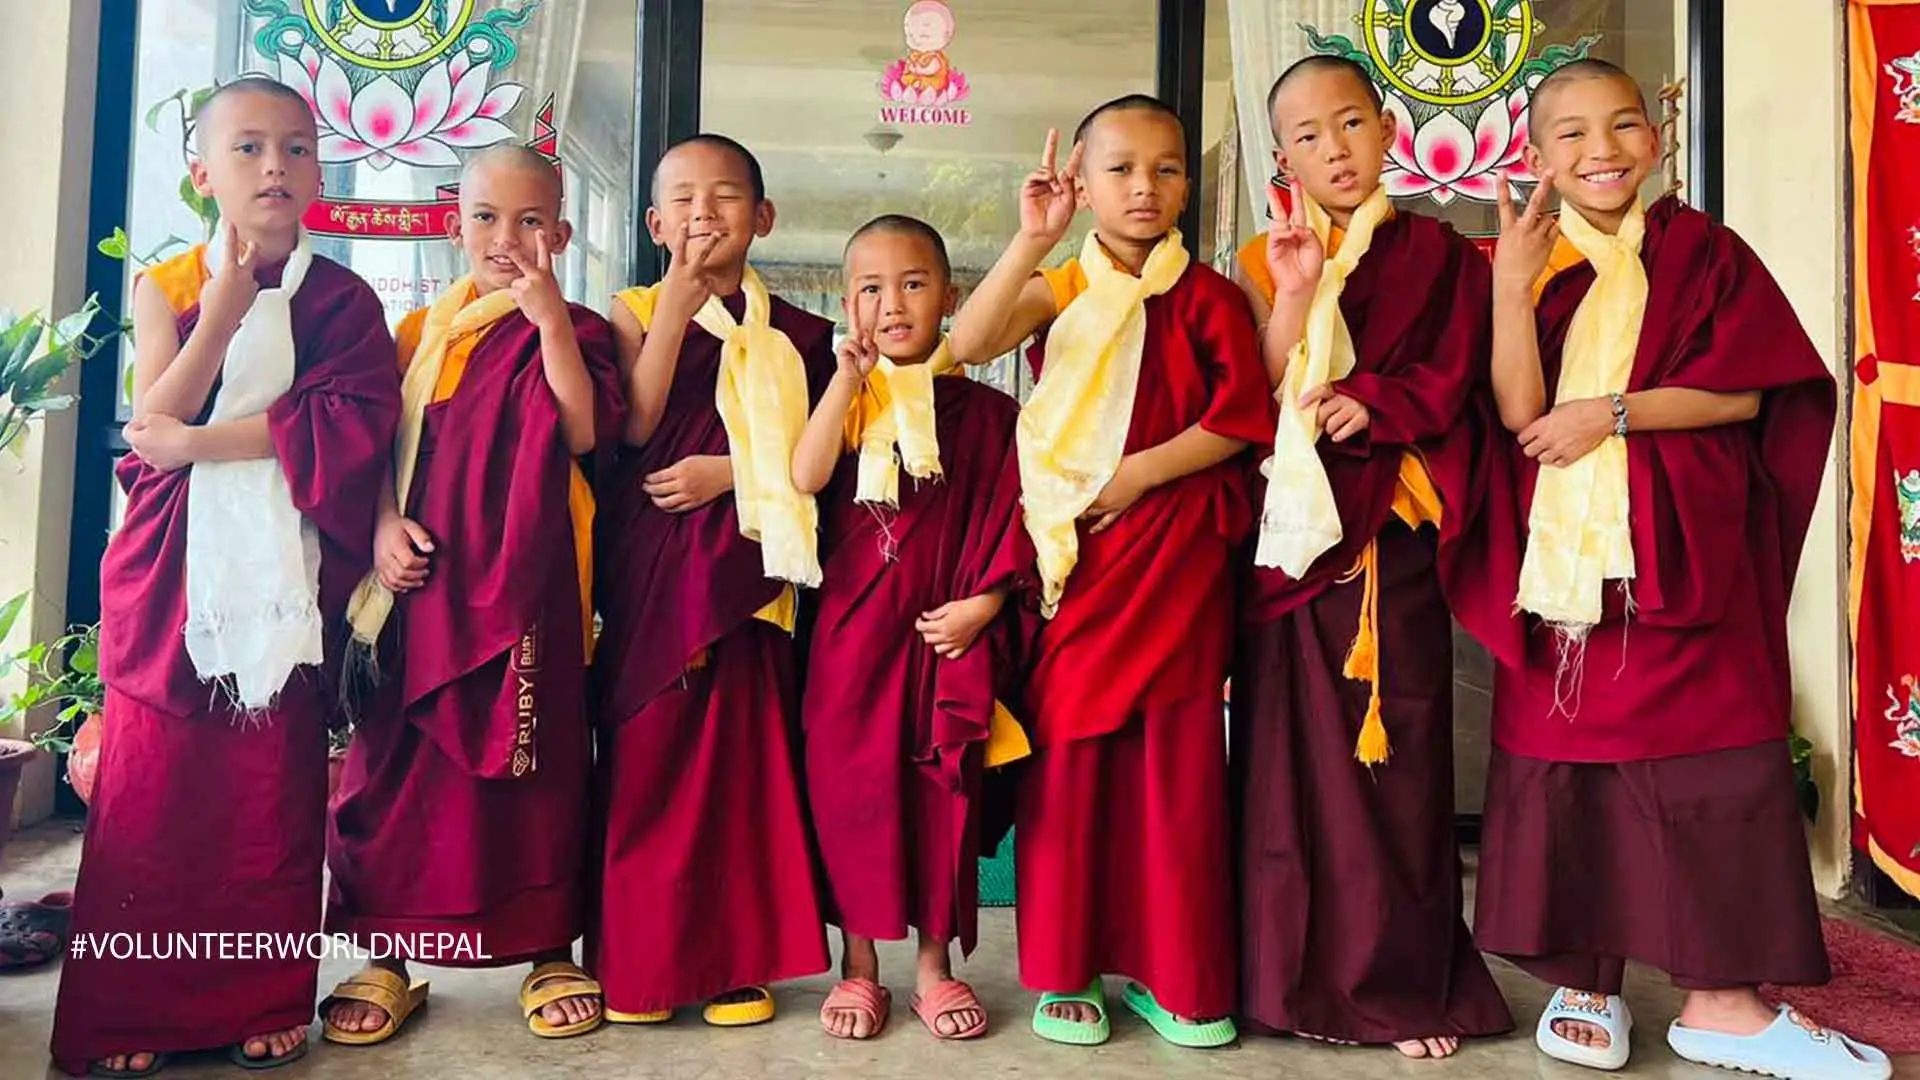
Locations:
1123 859
1351 909
706 880
202 822
1672 775
894 734
463 803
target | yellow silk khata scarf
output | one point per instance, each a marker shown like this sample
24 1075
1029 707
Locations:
893 415
762 398
1073 429
454 317
1300 520
1303 527
1578 536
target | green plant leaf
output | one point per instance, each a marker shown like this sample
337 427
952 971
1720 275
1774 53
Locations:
73 328
10 612
115 246
86 655
17 343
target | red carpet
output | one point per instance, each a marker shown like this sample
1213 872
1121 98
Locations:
1875 992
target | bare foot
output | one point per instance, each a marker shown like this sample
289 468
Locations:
127 1063
1443 1046
570 1010
276 1045
1074 1012
1729 1012
858 960
363 1016
1581 1033
935 968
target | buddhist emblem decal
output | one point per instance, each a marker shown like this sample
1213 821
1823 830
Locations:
389 34
1449 52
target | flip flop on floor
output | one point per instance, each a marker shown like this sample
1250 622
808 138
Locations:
948 998
1073 1032
863 997
382 989
1208 1036
160 1061
33 932
1605 1011
237 1054
741 1013
554 981
1791 1048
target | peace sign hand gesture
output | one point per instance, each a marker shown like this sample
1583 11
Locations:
1295 256
1050 196
858 354
229 296
1526 240
536 290
688 282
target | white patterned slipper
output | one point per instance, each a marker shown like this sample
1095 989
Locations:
1605 1011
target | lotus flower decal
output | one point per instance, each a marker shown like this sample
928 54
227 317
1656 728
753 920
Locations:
381 122
1443 160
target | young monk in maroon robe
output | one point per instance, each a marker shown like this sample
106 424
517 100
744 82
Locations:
912 646
1150 386
706 890
258 450
462 810
1640 800
1350 895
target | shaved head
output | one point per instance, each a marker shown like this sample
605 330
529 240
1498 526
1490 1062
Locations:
1578 71
902 225
1325 64
212 111
1129 103
516 158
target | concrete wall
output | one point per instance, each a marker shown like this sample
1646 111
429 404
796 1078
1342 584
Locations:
1785 172
46 154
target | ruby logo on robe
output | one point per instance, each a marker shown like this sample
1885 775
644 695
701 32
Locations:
399 82
923 87
1904 715
1905 73
1906 488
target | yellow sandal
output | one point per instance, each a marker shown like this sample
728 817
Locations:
557 981
382 989
741 1013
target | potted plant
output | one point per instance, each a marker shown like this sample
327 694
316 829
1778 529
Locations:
62 674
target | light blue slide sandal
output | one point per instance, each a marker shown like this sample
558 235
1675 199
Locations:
1791 1048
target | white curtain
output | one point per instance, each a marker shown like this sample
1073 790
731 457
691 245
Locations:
1266 38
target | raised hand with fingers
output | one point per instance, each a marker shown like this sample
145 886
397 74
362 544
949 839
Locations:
1295 256
1526 238
859 353
229 296
688 282
1051 195
536 290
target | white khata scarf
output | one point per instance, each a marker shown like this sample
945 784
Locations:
252 561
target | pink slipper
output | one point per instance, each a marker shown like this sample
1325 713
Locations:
947 998
862 996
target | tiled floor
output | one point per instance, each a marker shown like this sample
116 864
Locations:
474 1030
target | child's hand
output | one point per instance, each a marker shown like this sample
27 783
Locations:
400 550
688 282
161 441
1121 492
229 295
1526 241
1294 255
690 483
1050 196
1568 433
536 290
953 628
1340 416
858 354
